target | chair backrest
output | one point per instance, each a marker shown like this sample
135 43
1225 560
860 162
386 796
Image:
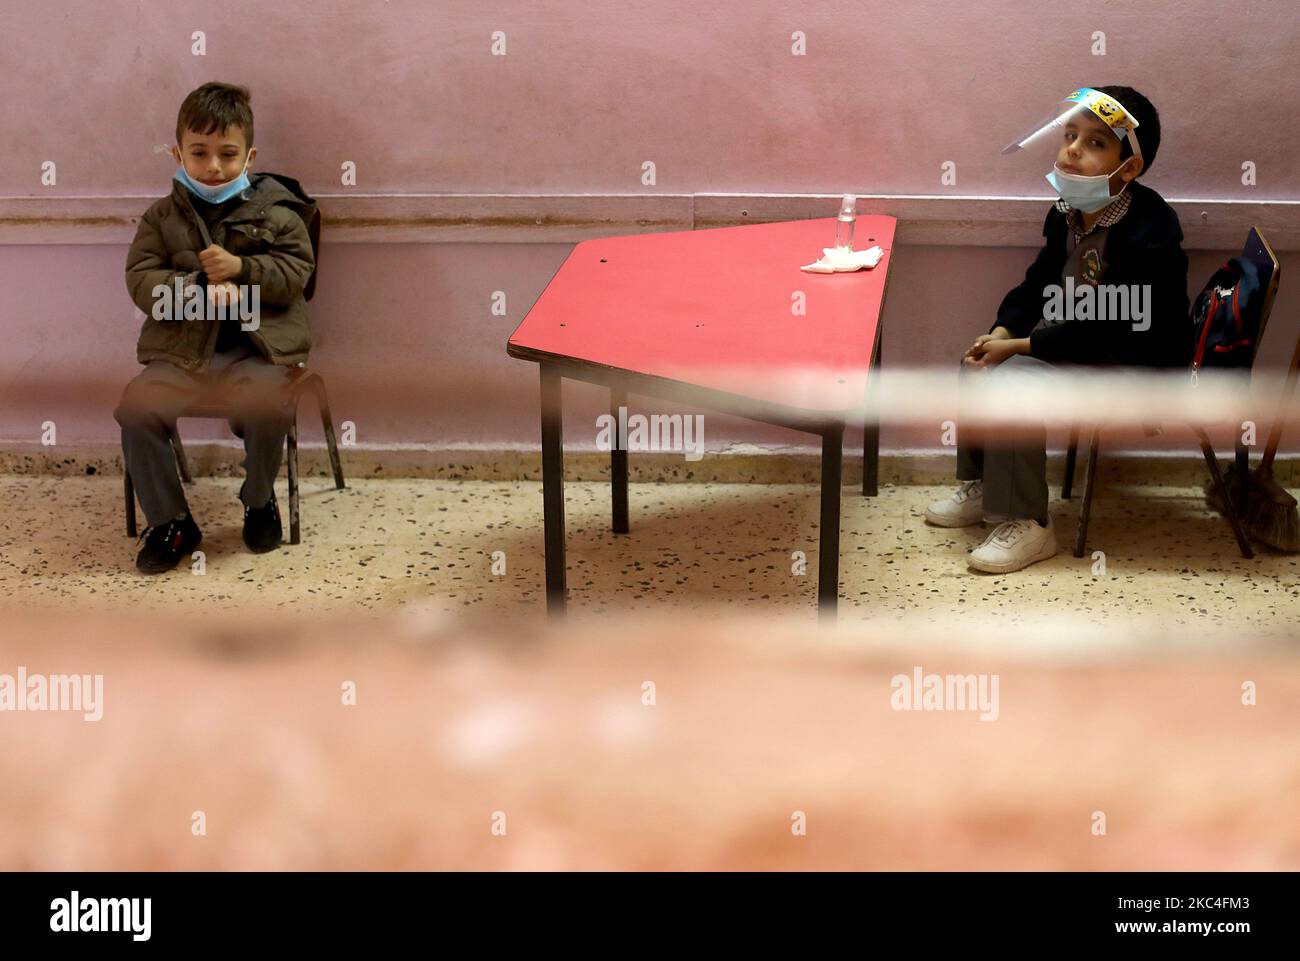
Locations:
1258 251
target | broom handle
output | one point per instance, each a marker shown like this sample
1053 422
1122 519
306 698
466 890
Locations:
1275 433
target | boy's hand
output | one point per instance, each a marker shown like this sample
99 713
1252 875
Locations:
998 333
991 351
976 350
225 294
219 264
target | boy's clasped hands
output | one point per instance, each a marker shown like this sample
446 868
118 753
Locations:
991 349
220 266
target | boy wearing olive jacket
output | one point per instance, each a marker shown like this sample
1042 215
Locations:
221 268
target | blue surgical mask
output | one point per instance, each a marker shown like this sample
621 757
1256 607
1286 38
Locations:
1088 194
218 194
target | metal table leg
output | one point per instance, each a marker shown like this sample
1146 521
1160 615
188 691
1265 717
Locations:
553 487
618 464
871 427
828 568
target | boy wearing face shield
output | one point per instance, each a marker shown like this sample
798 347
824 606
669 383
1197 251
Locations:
1106 229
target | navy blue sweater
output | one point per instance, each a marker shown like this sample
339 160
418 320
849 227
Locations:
1144 247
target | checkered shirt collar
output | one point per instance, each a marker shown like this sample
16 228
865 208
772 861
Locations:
1111 215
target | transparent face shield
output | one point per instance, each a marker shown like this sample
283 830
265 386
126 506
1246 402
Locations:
1082 138
1087 110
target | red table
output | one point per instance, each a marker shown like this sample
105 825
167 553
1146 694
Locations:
711 319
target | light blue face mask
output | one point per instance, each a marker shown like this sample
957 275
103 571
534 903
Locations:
1088 194
218 194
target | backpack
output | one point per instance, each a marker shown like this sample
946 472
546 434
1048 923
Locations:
1227 314
305 207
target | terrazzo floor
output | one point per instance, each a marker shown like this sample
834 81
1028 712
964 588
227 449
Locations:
701 548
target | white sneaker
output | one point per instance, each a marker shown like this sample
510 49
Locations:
964 508
1014 545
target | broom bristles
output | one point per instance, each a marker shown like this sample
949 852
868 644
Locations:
1271 516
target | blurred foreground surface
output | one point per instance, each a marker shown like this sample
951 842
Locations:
461 726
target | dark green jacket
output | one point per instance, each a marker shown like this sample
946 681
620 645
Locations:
268 232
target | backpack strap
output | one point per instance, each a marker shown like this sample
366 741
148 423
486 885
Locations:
313 231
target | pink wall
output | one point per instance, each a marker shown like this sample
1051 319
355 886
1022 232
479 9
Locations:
408 91
587 92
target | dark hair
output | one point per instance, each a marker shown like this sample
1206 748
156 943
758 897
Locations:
216 106
1148 129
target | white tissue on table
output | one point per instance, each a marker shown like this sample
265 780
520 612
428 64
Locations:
840 259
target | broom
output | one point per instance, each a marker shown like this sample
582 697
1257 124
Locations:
1271 516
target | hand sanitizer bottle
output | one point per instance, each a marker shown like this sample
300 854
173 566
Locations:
844 225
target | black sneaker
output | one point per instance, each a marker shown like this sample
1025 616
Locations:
262 528
166 544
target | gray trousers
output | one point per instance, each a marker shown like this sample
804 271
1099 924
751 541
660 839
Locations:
243 378
1014 471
